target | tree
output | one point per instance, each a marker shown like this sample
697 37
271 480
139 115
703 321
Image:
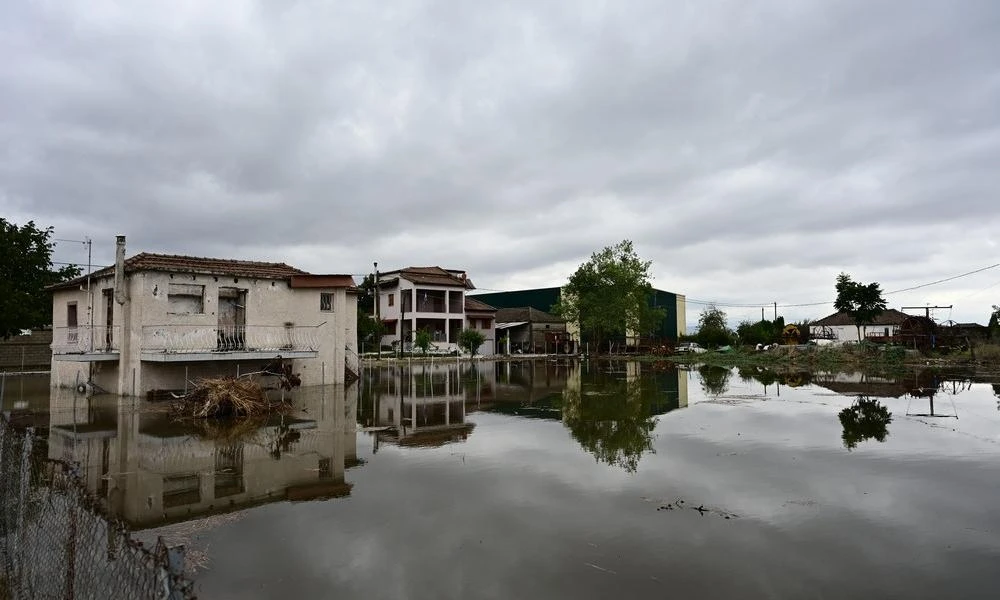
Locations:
470 340
370 329
994 326
713 329
866 419
864 303
612 419
25 271
714 380
422 340
609 295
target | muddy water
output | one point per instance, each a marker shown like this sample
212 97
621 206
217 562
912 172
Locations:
550 480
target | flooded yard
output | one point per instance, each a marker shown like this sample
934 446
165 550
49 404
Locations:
553 479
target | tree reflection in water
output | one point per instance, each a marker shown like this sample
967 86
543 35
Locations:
714 380
613 421
866 419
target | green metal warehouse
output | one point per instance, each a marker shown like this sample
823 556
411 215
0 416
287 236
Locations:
673 325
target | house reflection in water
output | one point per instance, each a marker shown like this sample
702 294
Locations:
604 404
151 470
422 405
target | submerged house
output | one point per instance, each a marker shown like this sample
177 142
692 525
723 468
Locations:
532 331
155 321
433 299
840 327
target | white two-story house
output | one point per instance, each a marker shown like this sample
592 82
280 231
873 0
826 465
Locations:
434 299
158 322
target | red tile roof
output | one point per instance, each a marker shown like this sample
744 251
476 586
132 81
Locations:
889 316
172 263
433 276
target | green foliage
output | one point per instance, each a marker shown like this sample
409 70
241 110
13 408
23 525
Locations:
367 295
613 420
470 340
370 330
713 330
422 340
609 295
866 419
25 270
862 302
714 379
761 332
994 325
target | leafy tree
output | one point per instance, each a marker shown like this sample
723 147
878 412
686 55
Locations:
612 419
994 325
714 379
25 270
370 329
713 330
470 340
422 340
609 294
864 303
761 332
866 419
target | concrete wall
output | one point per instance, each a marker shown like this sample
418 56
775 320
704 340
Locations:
268 303
849 333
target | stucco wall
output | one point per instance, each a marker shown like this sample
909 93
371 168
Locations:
268 303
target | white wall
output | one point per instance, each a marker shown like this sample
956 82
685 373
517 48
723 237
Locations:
269 303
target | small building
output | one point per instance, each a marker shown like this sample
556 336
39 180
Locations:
674 322
155 321
432 299
481 316
528 330
840 327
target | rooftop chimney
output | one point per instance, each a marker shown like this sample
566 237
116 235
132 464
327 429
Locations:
120 269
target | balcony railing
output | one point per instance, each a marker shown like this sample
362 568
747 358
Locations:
244 338
85 339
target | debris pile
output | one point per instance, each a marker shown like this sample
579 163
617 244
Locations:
243 396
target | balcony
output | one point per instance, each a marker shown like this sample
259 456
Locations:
86 343
187 343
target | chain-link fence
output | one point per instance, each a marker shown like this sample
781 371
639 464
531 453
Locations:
56 541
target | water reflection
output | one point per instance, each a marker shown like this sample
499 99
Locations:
151 469
608 407
866 419
714 379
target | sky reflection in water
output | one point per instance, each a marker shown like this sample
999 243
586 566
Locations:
551 479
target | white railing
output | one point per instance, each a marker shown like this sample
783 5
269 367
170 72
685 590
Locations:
85 339
245 338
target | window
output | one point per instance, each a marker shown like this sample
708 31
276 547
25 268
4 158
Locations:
486 323
392 299
326 302
71 323
185 299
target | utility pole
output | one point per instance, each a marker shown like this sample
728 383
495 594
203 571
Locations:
775 311
378 321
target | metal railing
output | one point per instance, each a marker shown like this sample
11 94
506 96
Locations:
86 339
239 338
57 541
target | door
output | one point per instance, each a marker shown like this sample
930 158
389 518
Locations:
72 334
109 319
232 319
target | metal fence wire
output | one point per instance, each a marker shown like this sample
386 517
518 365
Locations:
56 541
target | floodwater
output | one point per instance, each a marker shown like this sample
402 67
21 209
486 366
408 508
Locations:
555 479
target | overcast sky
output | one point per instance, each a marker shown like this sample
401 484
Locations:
752 150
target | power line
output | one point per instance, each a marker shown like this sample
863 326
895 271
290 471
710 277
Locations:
805 304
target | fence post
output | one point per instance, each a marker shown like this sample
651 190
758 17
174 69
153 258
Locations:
22 500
